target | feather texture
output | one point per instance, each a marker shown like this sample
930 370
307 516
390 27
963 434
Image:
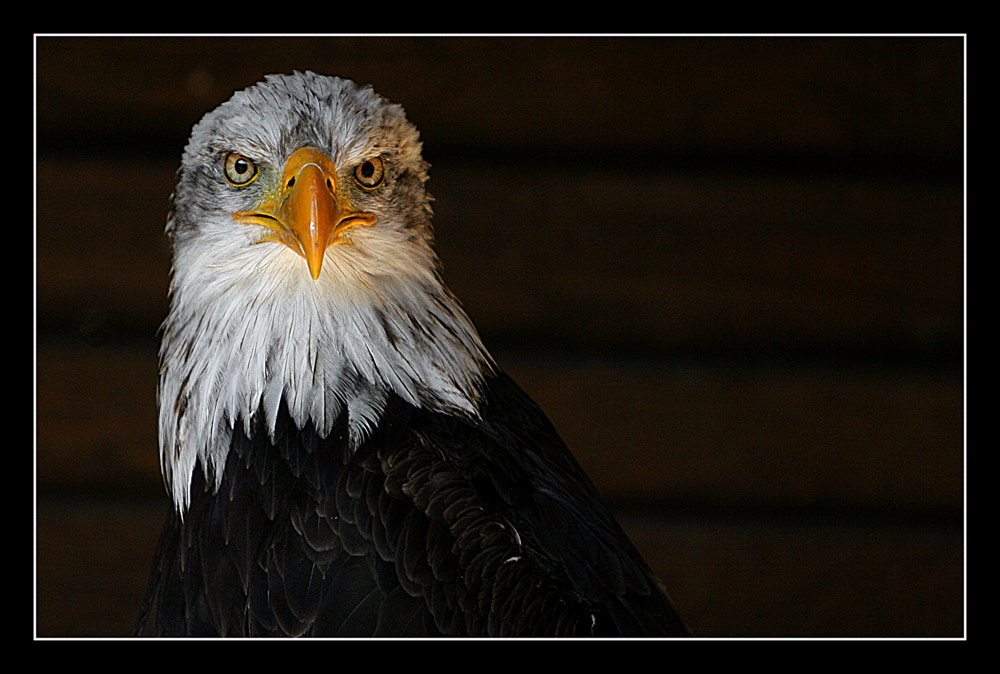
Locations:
409 536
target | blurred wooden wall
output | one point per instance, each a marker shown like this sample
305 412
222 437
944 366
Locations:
730 269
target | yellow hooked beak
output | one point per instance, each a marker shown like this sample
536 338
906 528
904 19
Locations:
306 211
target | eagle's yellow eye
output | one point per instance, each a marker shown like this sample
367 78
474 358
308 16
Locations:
239 170
369 173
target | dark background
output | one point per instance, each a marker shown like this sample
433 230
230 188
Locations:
730 269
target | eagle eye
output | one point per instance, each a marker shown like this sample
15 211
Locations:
369 173
239 170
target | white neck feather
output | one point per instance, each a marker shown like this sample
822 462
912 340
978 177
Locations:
247 332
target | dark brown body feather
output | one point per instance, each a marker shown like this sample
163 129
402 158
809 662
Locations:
437 525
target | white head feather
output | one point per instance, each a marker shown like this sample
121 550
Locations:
249 327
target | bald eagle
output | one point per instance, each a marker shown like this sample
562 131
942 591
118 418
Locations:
343 455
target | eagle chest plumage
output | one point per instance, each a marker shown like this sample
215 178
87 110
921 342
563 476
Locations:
308 537
344 457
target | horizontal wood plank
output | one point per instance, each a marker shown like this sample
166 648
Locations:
92 563
697 435
96 421
828 96
767 578
602 257
728 579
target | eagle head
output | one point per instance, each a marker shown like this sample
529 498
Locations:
304 274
